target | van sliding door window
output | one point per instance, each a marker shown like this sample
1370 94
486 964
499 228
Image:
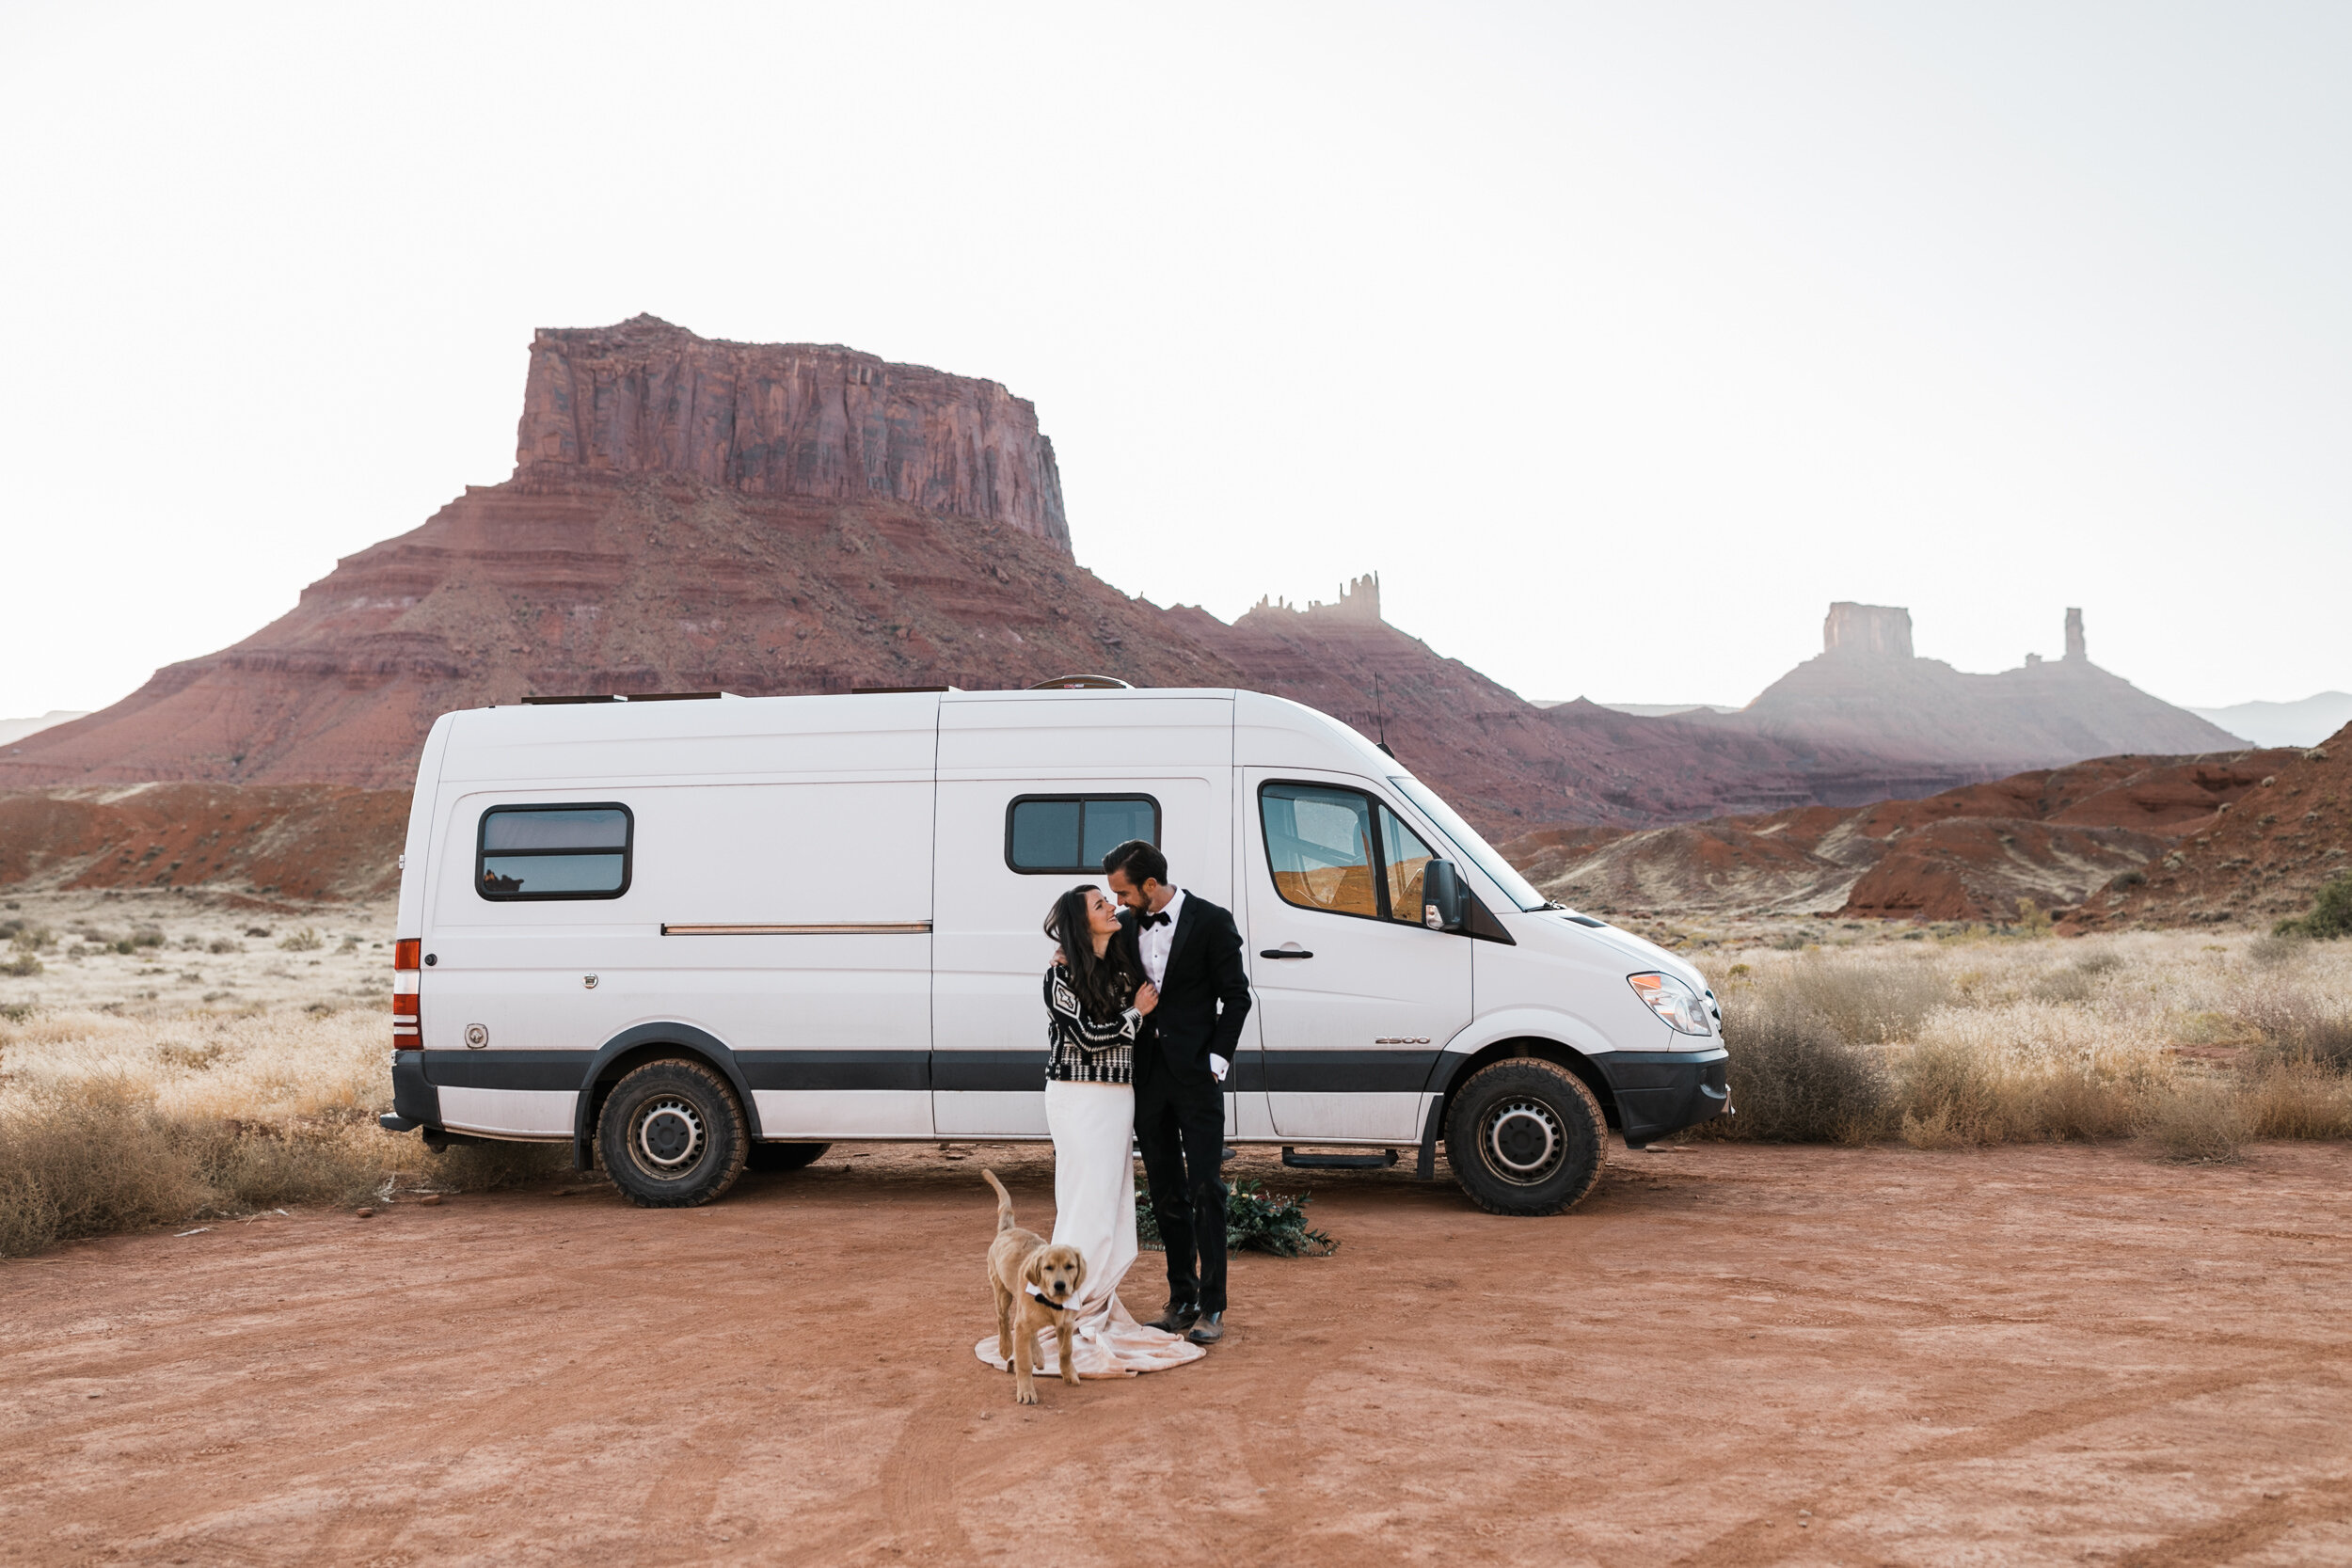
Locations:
529 853
1068 834
1319 842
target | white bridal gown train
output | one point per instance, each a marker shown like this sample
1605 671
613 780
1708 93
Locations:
1094 1209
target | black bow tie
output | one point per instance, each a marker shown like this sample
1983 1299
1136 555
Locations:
1151 920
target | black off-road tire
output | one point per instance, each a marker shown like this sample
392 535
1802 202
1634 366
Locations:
672 1135
1525 1137
765 1157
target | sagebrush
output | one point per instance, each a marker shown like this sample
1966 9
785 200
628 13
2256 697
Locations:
110 1123
2195 1044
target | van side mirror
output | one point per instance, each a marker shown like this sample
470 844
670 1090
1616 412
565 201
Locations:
1442 900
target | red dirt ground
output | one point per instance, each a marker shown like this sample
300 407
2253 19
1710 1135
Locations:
1730 1355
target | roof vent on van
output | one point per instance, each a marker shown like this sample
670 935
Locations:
626 697
1083 683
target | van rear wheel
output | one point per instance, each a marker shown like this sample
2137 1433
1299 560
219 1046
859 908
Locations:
1525 1137
672 1135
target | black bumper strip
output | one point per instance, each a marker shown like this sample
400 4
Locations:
414 1101
840 1069
505 1069
1404 1070
1660 1092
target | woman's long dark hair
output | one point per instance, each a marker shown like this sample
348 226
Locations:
1103 985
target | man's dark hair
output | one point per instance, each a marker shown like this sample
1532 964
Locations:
1140 859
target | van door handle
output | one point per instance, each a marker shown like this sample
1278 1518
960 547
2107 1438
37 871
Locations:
1284 953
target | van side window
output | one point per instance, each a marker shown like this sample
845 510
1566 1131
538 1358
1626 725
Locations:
528 852
1318 840
1068 834
1404 858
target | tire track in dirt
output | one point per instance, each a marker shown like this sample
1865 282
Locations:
2229 1539
1759 1539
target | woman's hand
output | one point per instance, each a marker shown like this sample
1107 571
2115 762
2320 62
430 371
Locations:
1147 998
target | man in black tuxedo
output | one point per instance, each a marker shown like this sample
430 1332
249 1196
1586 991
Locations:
1191 951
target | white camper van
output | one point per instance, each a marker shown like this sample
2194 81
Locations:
682 935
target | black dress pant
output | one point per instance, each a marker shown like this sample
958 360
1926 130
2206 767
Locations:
1180 1128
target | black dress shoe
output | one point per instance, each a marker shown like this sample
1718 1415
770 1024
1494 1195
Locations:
1209 1330
1178 1317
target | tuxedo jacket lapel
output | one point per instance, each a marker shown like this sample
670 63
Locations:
1185 920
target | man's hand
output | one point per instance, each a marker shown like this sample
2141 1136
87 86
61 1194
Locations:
1218 1066
1147 998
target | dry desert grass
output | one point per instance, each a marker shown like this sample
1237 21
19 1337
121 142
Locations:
2196 1042
115 1122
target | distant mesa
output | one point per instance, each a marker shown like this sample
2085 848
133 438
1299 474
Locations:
689 514
813 420
1867 632
2304 723
1867 691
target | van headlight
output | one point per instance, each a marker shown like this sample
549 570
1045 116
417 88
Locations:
1672 1000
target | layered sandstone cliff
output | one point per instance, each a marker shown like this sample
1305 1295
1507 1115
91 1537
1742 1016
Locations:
784 420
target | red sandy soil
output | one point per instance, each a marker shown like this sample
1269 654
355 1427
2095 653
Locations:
1728 1355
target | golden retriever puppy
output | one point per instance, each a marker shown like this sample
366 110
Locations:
1018 1261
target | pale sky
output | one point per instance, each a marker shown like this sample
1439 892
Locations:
1619 339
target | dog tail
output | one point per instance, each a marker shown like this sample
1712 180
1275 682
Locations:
1004 1201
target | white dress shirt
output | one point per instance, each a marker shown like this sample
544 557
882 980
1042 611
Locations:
1155 942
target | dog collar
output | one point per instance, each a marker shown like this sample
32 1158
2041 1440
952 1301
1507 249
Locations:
1045 1300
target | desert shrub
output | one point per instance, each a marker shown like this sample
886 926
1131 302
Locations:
305 941
30 936
2202 1120
1953 1096
2273 948
22 965
1864 1002
2298 1025
223 944
87 1161
246 1166
1794 1078
259 931
2331 916
2296 1099
147 936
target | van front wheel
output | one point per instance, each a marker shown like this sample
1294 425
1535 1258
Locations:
672 1135
1525 1137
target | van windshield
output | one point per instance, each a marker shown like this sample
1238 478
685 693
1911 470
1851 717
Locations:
1473 848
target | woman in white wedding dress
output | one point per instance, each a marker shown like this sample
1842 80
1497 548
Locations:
1096 1000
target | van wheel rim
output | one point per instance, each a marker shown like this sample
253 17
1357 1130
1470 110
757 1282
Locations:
669 1134
1522 1141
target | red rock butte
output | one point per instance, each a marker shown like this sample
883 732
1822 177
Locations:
687 515
817 421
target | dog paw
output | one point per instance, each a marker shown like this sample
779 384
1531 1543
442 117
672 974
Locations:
1025 1396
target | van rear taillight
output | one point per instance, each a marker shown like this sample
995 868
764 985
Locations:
407 1021
406 951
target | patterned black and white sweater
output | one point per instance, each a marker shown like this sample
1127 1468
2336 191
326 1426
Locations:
1083 1048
